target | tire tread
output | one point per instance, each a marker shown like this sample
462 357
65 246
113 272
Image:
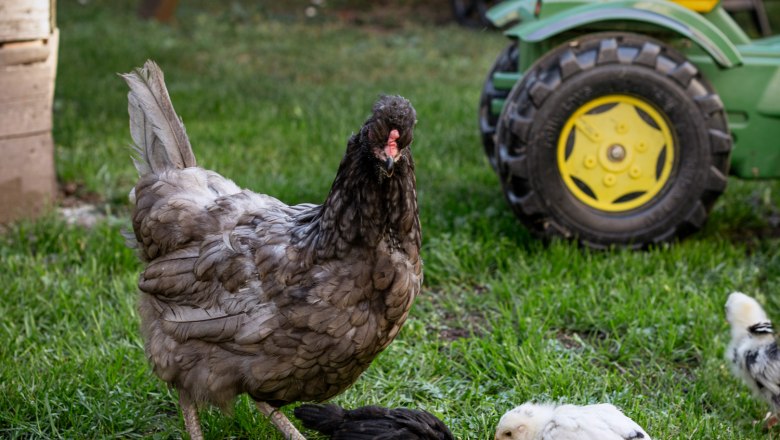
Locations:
514 128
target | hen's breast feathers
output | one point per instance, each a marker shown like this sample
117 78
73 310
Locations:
224 270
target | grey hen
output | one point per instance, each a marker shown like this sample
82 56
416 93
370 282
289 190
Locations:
244 294
373 423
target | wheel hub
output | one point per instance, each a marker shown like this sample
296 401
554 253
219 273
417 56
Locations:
615 153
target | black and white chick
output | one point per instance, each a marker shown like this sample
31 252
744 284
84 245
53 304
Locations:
752 352
545 421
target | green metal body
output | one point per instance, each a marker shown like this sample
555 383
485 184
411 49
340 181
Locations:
744 72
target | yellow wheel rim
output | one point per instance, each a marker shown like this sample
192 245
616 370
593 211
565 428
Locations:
616 153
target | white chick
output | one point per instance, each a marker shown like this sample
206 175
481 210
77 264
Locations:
752 352
545 421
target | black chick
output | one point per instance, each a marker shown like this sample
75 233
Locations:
372 422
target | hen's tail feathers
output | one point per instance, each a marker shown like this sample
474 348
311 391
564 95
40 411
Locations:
160 139
322 418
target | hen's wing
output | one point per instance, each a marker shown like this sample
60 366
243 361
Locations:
592 422
203 284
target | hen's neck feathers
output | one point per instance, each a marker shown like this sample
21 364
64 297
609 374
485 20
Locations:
363 207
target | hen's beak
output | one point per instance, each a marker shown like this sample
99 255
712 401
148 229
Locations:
389 162
391 150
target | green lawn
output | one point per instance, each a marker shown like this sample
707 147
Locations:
269 99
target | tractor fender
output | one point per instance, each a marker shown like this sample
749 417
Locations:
506 12
664 14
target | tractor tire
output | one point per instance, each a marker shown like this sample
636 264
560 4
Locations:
613 139
471 13
507 61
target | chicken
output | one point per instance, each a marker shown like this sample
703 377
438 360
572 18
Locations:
546 421
752 352
373 422
242 293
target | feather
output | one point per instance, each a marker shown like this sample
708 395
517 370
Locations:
372 423
531 421
160 138
752 353
185 323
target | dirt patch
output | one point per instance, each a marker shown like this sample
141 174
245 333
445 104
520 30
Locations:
473 324
453 334
71 194
390 13
753 235
380 14
570 341
763 224
576 340
79 206
454 326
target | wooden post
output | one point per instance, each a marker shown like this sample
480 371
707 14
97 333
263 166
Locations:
28 64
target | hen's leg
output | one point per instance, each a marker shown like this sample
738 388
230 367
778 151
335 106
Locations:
281 421
191 419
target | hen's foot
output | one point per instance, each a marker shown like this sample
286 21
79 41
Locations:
281 421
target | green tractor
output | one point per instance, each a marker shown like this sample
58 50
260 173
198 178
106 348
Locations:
616 122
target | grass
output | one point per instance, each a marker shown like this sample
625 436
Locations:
269 99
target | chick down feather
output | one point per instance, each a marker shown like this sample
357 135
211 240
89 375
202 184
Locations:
752 352
373 423
544 421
